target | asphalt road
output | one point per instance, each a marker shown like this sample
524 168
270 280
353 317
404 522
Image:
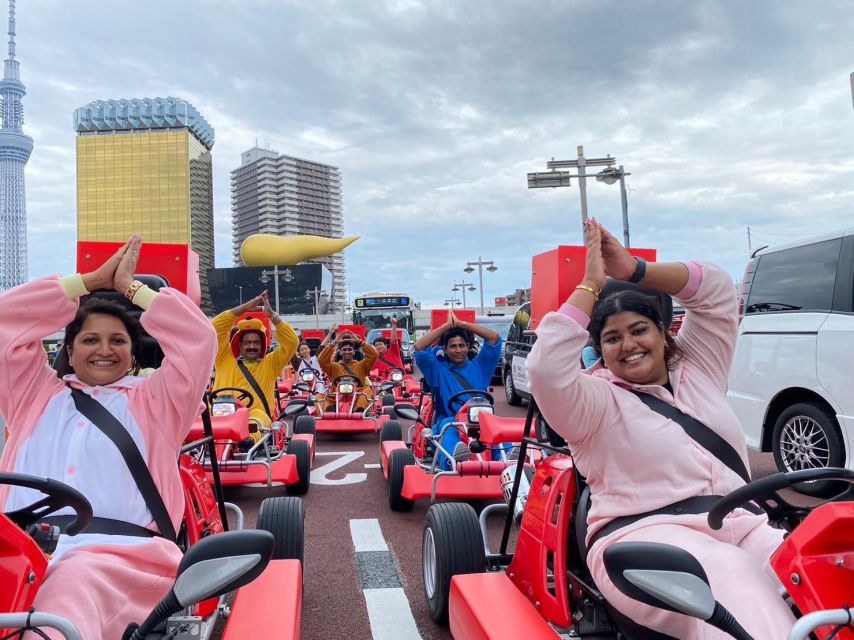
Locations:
346 488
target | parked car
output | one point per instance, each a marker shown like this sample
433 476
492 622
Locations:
517 346
792 377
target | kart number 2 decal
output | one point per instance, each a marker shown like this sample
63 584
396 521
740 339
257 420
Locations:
343 458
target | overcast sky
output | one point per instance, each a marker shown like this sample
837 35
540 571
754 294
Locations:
727 114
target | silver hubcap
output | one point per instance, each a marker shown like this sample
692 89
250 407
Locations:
428 562
508 386
804 445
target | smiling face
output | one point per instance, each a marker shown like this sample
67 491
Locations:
251 345
102 352
305 352
456 350
380 346
347 352
633 348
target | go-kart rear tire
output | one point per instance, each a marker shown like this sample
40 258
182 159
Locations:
302 450
284 517
388 399
390 430
397 462
305 424
390 412
451 545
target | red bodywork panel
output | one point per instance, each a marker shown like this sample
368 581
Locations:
482 468
418 483
541 545
557 272
270 606
497 430
438 317
20 556
176 262
357 329
283 470
487 606
385 453
347 423
233 427
821 552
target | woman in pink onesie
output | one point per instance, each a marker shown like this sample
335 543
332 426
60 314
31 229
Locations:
98 581
636 460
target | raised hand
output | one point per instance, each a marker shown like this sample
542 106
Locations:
123 275
594 271
103 276
265 302
618 262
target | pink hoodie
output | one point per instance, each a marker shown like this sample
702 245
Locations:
116 579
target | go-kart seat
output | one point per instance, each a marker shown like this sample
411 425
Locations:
631 629
152 354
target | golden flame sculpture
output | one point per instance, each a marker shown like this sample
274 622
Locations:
266 249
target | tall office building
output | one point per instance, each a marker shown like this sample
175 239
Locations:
144 166
15 149
283 195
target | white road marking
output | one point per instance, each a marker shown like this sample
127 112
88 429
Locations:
388 608
367 535
373 465
318 475
390 615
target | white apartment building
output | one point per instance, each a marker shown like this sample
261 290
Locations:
284 195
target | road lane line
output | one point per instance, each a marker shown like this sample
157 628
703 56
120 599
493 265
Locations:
388 607
373 465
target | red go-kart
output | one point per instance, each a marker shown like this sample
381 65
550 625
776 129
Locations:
275 459
345 393
207 588
412 467
545 590
309 382
396 386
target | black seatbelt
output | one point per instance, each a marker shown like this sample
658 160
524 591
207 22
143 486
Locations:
461 380
115 431
255 386
699 433
388 362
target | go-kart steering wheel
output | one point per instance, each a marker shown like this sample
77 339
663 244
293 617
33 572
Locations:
58 495
781 513
456 401
242 395
310 370
340 379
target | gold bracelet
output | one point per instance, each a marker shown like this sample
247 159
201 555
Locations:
133 287
591 290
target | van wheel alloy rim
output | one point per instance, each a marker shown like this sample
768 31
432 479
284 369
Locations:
803 444
508 386
428 560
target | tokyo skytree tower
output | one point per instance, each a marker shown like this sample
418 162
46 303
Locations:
15 149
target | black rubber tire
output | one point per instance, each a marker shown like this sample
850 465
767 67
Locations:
284 517
821 416
388 400
302 450
453 530
305 424
513 398
398 459
390 430
390 412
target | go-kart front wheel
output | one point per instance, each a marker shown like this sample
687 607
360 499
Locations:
284 517
305 424
302 451
451 545
397 462
390 430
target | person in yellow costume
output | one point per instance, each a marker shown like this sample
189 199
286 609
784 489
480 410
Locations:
248 346
346 344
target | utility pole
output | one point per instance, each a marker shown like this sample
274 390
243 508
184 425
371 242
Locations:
316 291
462 286
480 264
749 247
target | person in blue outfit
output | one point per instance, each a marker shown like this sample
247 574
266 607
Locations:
445 365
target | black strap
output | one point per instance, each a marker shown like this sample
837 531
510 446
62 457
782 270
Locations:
388 362
103 525
461 380
700 433
115 431
255 386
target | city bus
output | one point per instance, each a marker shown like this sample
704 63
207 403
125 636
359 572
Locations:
375 311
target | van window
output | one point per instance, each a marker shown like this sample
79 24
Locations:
798 279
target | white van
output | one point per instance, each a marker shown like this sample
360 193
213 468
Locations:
792 379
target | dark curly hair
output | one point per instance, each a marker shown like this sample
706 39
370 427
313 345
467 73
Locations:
108 308
456 332
635 302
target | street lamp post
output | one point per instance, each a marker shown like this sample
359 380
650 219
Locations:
609 175
461 286
480 264
316 292
452 302
240 287
287 275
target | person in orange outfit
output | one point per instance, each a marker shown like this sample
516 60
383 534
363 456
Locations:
346 344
